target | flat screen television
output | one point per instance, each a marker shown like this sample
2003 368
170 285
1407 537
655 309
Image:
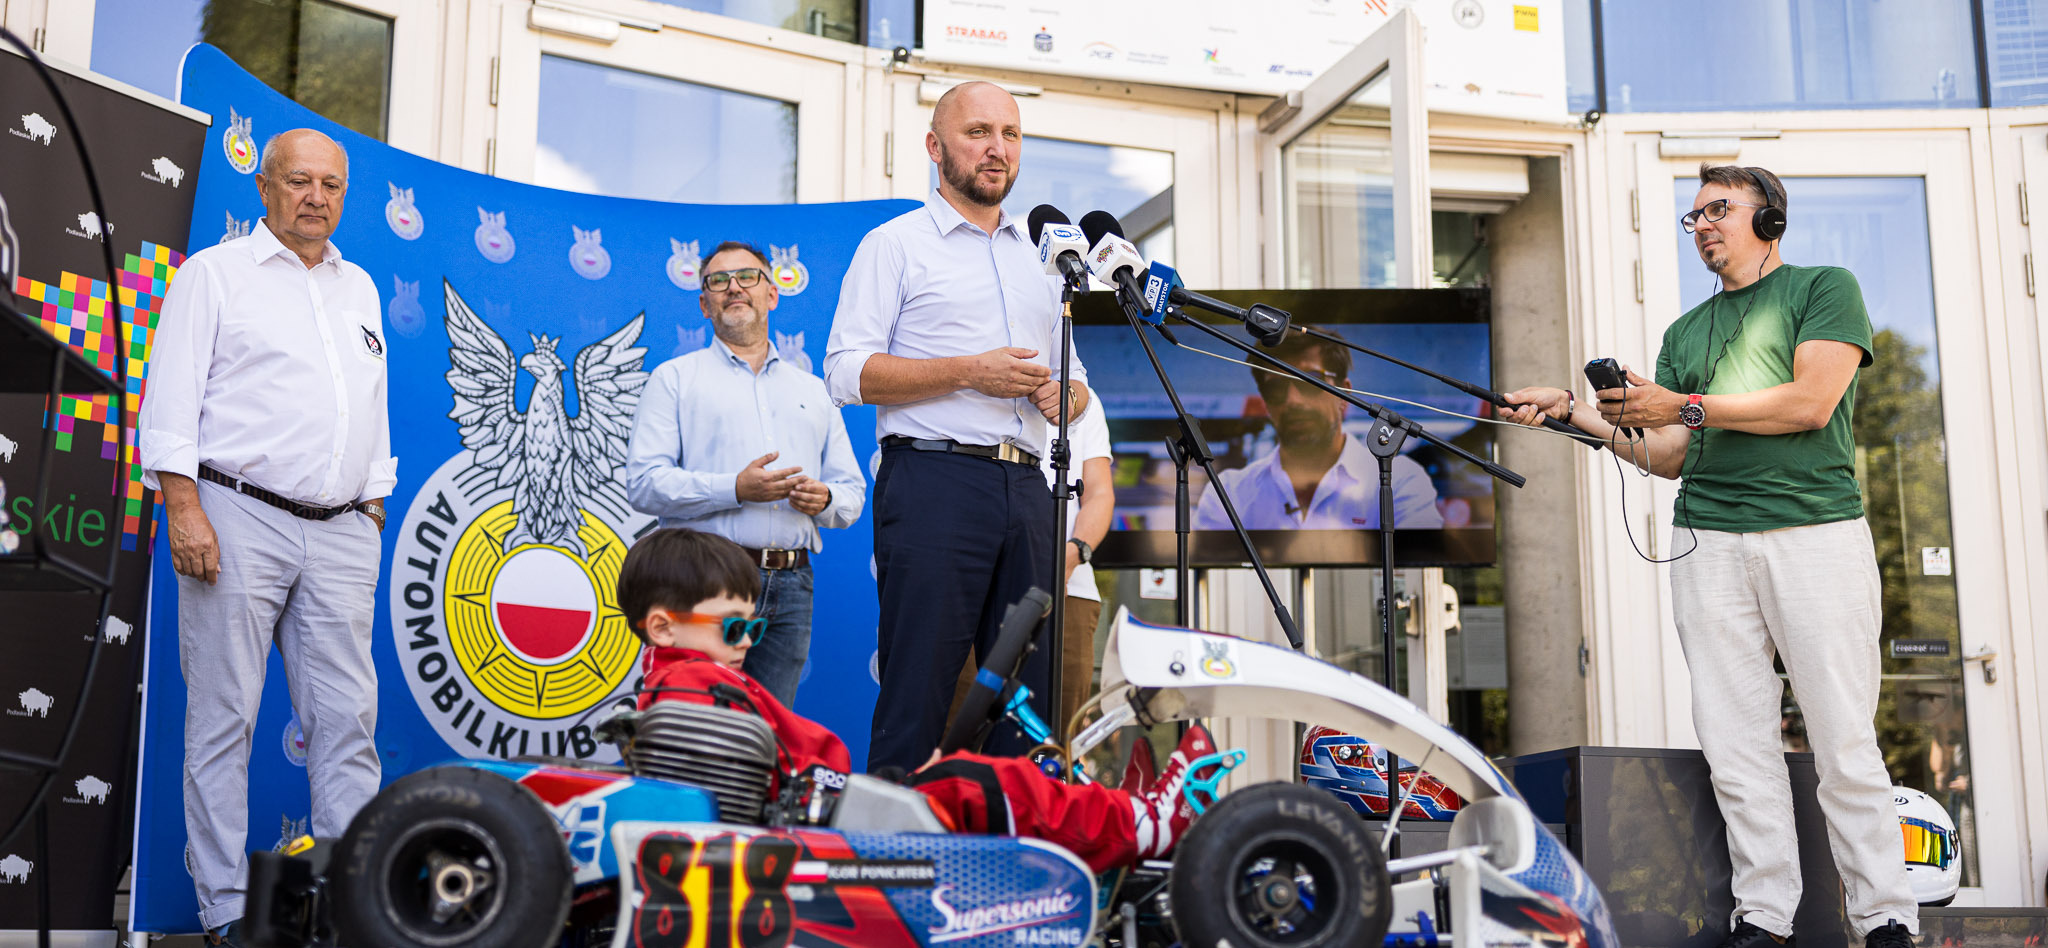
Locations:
1315 503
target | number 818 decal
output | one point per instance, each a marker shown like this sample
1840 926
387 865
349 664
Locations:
720 892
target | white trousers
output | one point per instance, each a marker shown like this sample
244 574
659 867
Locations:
310 587
1812 596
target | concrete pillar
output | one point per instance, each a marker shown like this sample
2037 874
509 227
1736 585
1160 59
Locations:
1539 539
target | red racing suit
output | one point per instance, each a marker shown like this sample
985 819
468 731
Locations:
973 793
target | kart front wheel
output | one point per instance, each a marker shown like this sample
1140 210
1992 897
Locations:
452 857
1279 864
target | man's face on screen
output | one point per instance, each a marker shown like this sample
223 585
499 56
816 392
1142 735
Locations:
1303 415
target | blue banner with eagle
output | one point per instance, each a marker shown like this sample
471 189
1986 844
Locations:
521 323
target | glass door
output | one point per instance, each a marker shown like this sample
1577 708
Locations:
632 99
1901 220
1085 153
1345 164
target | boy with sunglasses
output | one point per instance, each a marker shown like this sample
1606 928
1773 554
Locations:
690 597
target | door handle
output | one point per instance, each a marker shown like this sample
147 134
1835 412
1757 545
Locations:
1987 655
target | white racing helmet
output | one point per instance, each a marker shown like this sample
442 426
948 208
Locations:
1934 863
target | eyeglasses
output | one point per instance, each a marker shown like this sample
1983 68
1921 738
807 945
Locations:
1712 212
716 282
736 629
1272 384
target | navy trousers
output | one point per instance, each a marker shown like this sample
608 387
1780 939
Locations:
957 540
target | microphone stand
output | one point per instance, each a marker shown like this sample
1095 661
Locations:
1191 446
1390 431
1056 631
1489 396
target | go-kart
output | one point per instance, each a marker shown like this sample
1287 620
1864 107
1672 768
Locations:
682 845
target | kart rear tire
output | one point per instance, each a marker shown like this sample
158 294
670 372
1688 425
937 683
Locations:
1229 887
451 836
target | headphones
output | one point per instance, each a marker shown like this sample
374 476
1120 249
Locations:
1769 221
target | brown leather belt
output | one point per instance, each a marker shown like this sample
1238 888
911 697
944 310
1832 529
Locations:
286 504
1001 452
778 559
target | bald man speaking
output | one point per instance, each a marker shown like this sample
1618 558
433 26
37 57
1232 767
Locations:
265 432
963 517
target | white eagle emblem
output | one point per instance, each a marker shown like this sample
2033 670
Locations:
549 460
789 273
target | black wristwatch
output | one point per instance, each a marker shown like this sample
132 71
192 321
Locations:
1087 551
1693 414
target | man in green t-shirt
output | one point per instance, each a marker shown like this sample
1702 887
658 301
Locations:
1751 410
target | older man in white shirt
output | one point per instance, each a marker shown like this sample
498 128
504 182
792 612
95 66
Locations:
265 431
963 517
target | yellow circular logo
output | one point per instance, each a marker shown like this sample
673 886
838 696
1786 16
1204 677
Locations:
537 628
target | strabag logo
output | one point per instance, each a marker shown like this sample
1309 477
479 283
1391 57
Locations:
977 34
503 602
958 924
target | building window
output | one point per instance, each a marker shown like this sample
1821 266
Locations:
832 19
629 134
2016 37
1787 54
1135 184
331 58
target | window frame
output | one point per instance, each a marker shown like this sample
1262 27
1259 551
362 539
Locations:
409 120
821 77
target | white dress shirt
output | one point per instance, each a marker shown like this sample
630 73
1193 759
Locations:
271 371
1347 498
930 285
705 415
1087 437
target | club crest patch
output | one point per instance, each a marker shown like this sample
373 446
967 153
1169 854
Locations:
504 606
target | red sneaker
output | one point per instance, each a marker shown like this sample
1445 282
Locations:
1162 812
1141 770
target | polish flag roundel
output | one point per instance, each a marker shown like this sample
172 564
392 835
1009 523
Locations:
544 605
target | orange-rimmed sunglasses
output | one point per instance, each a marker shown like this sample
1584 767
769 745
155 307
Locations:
736 629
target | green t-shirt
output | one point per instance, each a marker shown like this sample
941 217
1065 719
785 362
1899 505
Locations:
1748 483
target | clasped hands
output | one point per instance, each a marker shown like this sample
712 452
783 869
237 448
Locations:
759 485
1006 373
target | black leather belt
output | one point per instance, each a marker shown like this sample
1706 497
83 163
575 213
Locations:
1000 452
778 559
286 504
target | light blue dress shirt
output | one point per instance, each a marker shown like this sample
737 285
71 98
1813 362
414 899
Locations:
930 285
1347 498
706 415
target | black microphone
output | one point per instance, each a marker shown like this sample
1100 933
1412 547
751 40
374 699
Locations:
1060 246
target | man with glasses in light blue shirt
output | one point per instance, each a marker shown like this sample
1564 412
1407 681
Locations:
737 441
947 322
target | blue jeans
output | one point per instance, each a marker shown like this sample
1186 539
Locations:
777 661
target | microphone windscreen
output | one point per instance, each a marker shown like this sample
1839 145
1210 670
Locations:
1042 215
1094 224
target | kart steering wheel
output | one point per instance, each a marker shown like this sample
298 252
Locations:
980 709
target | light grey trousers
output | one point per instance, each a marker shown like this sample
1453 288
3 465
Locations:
309 586
1812 596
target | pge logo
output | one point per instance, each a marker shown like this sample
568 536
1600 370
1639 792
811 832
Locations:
504 608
